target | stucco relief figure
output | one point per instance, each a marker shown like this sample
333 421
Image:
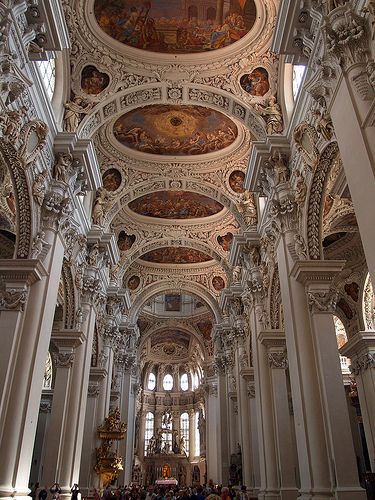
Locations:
300 189
73 111
39 186
247 208
271 113
99 209
237 271
62 167
323 124
280 168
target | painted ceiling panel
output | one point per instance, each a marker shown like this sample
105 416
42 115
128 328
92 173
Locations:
175 130
176 27
175 205
176 255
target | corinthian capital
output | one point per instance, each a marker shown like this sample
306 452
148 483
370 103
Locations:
278 360
13 299
322 301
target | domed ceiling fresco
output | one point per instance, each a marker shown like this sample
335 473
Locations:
175 205
175 130
175 255
177 26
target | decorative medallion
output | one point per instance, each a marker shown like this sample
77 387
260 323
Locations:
93 82
176 27
218 283
256 83
125 241
133 282
236 181
225 241
164 129
176 255
111 179
175 205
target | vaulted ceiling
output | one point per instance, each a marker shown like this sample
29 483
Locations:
178 89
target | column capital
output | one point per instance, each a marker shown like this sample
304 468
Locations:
63 359
313 272
362 343
21 271
67 339
93 390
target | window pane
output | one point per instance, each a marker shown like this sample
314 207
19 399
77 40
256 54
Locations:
184 382
47 72
184 433
151 382
168 382
197 435
149 430
47 380
298 72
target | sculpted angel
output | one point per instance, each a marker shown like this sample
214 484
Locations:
73 111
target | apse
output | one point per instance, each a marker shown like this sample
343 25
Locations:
175 205
175 27
172 130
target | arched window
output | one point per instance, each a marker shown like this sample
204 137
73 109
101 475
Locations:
342 339
197 436
168 382
184 433
195 381
298 72
151 383
184 382
47 72
149 430
47 379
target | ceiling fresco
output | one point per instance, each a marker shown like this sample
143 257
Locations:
175 27
175 130
175 255
256 83
175 205
172 335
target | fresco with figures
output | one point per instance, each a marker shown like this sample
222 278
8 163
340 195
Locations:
175 205
176 27
175 255
175 130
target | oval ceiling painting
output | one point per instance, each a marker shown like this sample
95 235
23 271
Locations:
176 255
175 205
165 129
177 26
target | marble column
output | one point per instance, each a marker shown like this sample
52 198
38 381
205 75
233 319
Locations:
33 287
244 414
353 122
192 430
88 478
65 342
223 445
129 392
317 277
361 350
71 451
269 480
313 457
274 341
254 434
212 430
